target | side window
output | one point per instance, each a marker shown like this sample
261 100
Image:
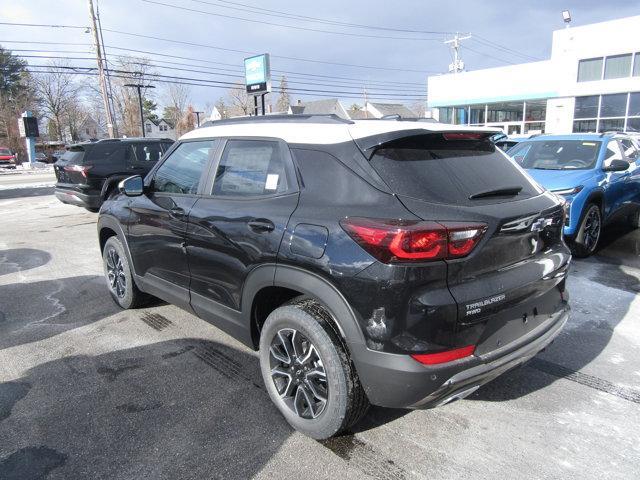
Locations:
252 168
106 153
613 152
181 171
145 153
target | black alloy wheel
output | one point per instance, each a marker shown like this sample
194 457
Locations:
298 373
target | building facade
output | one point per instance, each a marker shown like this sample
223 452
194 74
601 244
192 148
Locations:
591 83
159 129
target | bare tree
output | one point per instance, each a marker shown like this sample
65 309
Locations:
125 99
187 122
56 91
240 103
177 97
419 108
283 103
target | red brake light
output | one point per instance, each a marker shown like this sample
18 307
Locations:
392 241
83 169
464 136
444 357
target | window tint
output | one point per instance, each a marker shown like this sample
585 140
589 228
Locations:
430 168
251 168
145 153
181 171
5 151
586 107
613 105
617 66
105 153
590 69
73 155
557 154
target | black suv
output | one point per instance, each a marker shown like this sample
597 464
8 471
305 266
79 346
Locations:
88 173
370 262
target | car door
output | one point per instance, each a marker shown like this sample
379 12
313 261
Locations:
614 189
631 154
239 224
158 220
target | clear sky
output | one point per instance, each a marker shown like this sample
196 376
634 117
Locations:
394 68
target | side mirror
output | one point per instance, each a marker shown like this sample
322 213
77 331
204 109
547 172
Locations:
617 166
132 186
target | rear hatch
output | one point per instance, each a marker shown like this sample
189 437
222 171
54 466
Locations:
70 169
512 282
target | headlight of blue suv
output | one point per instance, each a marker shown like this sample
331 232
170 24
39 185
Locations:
568 194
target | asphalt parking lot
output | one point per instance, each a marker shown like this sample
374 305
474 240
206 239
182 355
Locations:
90 391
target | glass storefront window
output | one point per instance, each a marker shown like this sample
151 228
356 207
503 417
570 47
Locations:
617 66
461 116
586 107
636 65
634 104
613 105
534 127
584 126
633 125
590 69
476 114
445 115
536 110
505 112
611 125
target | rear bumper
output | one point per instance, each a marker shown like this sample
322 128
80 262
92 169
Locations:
73 197
398 381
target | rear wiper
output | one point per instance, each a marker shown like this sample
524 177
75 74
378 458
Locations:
498 192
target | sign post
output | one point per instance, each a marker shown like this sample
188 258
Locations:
28 127
257 76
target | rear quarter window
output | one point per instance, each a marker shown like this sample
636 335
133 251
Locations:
431 168
74 155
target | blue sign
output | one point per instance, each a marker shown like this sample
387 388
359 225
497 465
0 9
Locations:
257 74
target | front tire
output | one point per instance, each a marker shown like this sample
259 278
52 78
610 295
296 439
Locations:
307 371
119 275
586 240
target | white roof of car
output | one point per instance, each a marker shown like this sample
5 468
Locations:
322 133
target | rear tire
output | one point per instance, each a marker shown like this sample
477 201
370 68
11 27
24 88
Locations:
588 235
634 219
119 276
307 371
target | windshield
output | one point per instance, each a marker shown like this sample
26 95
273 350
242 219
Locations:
557 154
5 151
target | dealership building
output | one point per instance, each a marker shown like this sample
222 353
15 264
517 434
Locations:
591 83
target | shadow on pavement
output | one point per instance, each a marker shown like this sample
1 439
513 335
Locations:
25 192
19 259
184 408
30 312
593 320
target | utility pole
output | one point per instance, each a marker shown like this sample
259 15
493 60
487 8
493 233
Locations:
458 64
139 87
366 112
198 118
103 83
106 67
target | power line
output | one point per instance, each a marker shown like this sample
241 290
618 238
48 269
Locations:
263 22
289 73
279 13
487 42
87 72
298 59
238 75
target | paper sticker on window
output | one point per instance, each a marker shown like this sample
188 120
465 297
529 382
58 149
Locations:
272 181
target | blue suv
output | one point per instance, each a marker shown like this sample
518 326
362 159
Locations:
598 175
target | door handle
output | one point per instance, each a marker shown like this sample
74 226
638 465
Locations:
176 212
261 225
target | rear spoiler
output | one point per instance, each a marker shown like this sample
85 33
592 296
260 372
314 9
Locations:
369 145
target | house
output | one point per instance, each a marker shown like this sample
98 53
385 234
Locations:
87 129
161 128
379 110
320 107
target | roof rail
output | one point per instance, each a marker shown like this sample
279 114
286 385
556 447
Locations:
294 118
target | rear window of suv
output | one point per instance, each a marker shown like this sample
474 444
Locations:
434 169
74 155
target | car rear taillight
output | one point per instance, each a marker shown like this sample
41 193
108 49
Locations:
393 241
83 169
444 357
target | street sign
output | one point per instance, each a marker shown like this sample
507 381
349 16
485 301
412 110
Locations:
257 74
28 127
